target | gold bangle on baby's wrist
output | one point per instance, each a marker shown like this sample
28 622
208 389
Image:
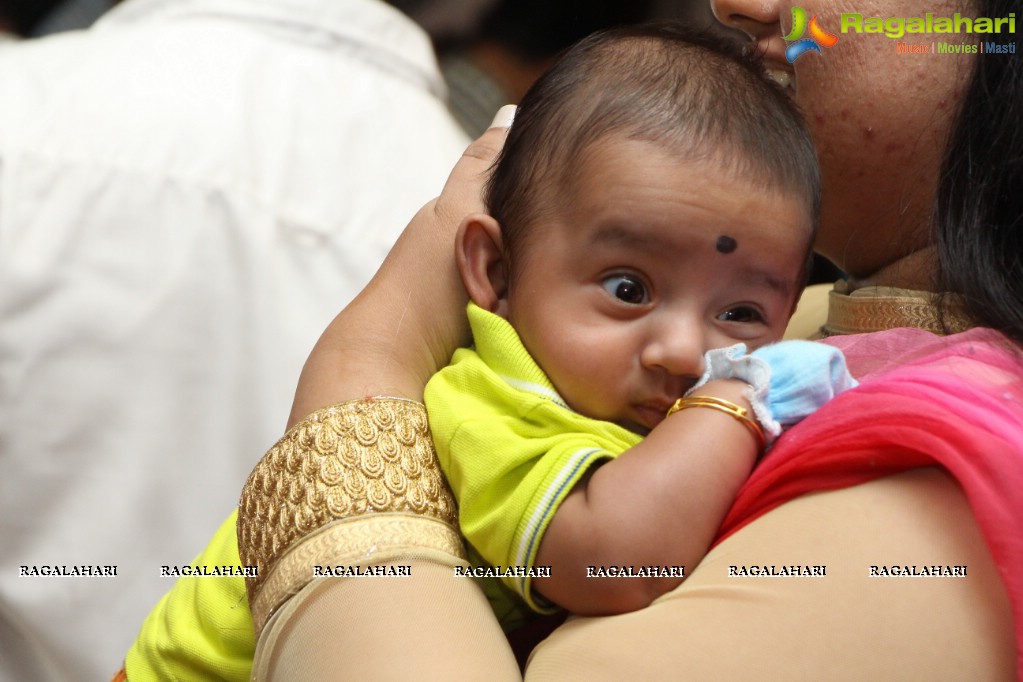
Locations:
740 414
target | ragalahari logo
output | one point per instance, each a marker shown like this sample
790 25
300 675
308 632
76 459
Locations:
798 45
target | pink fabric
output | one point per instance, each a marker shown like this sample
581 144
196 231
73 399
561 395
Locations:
924 400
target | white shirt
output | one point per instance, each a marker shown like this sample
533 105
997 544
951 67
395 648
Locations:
189 192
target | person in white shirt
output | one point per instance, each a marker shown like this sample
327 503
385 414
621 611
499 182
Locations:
189 190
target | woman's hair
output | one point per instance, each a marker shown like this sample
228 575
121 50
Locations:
689 93
978 220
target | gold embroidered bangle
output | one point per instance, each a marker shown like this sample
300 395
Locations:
350 483
740 414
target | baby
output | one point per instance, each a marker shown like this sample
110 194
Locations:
656 199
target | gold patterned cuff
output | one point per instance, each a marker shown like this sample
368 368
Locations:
851 314
349 483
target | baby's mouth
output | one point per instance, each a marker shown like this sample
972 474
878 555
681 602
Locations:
649 416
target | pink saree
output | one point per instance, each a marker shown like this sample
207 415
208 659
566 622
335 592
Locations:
954 402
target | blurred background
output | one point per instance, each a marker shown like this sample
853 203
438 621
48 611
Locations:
490 51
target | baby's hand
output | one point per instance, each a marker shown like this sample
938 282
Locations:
789 380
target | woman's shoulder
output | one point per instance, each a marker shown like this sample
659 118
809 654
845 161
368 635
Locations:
923 401
887 355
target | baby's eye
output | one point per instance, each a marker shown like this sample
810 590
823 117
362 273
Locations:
741 314
626 288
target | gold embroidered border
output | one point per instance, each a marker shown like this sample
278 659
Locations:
340 463
374 538
863 314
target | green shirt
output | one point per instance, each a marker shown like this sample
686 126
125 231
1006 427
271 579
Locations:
510 447
202 629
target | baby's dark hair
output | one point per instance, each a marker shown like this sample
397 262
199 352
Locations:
689 92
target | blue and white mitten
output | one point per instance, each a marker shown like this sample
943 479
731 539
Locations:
788 380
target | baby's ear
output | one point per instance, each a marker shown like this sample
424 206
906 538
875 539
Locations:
479 252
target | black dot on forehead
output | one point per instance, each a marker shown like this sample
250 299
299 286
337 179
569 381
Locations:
726 244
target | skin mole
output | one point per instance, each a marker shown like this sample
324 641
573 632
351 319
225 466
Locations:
726 244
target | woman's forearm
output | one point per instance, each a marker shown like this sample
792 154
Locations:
408 321
371 490
388 341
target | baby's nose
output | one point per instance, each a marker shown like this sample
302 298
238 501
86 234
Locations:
677 350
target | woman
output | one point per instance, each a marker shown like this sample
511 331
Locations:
918 467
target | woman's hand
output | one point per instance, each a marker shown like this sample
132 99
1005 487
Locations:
410 318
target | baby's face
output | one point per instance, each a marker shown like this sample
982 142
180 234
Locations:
649 264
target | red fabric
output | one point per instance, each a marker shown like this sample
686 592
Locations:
954 402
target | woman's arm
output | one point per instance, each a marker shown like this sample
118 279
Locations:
840 623
389 341
407 322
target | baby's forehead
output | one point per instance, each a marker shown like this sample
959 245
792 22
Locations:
737 173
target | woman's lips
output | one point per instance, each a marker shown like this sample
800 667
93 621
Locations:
772 51
782 77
